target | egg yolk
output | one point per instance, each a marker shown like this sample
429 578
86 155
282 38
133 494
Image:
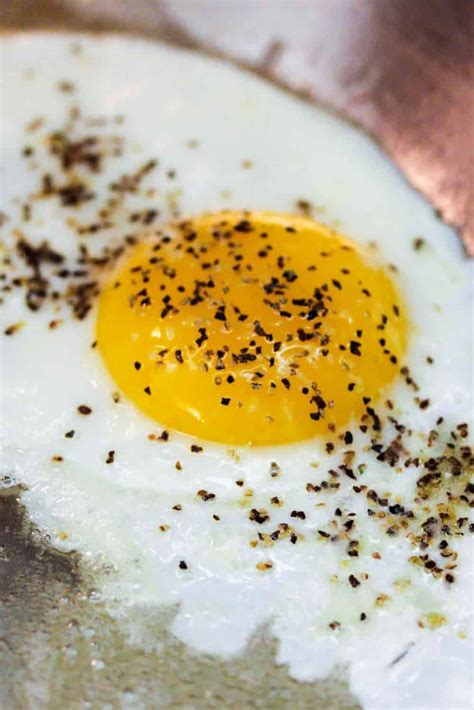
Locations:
251 328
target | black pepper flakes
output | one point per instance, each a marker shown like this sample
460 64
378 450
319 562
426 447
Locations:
84 409
12 329
298 514
205 495
354 347
418 243
258 516
243 226
353 581
274 469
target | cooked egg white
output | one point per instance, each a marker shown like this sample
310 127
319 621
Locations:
247 513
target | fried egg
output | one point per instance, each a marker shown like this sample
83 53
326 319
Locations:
236 365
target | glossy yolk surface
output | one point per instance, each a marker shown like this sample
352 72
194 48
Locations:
255 328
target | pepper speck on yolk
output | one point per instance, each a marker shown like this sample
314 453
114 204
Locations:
251 328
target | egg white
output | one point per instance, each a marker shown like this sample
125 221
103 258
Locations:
113 513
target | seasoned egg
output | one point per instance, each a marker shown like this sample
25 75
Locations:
251 329
236 364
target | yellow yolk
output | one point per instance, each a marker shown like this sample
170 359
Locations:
251 328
